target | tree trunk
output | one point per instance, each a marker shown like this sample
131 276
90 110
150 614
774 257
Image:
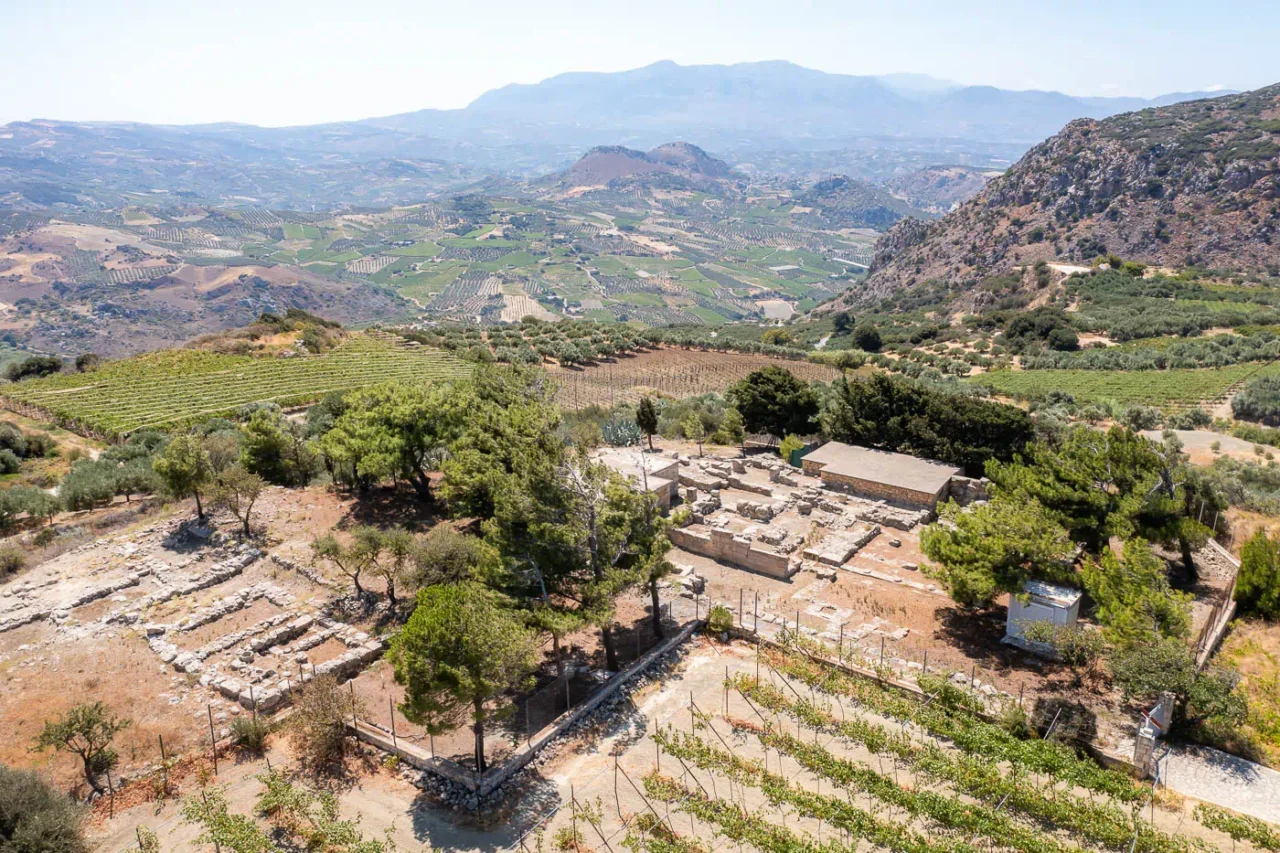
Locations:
90 776
479 730
610 653
391 591
650 441
555 649
422 485
199 506
247 534
657 612
1188 562
355 579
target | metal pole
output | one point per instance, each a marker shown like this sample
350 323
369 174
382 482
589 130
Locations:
213 741
925 668
882 651
755 613
740 624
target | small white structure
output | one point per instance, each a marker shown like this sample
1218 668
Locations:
1041 602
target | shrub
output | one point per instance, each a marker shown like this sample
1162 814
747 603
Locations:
866 337
37 365
12 560
789 445
9 462
249 732
35 818
720 619
318 725
1258 587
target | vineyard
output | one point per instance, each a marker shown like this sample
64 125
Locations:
791 753
671 372
176 386
1162 388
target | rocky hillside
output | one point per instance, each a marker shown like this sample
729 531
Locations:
939 189
1197 183
670 164
842 202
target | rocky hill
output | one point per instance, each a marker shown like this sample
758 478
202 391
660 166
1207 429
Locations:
842 202
670 164
939 189
1196 183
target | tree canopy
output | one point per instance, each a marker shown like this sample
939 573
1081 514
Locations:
462 647
774 402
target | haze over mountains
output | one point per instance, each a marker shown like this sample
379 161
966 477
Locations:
764 117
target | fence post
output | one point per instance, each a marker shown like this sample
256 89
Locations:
797 623
355 723
213 741
253 700
112 790
391 711
164 764
740 615
568 703
755 614
925 668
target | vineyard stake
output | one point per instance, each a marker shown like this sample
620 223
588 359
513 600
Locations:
213 741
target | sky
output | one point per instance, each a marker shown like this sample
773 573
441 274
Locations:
292 62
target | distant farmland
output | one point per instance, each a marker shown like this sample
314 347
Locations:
671 372
1162 388
176 386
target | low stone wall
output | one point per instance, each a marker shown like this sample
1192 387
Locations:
739 550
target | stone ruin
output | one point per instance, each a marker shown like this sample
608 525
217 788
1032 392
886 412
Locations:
268 659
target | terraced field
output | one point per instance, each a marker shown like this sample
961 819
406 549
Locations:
175 386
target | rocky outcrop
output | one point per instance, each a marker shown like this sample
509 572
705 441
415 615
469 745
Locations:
1194 183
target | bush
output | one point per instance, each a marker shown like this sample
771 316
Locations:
37 365
318 726
866 337
1138 418
789 445
1258 587
1259 400
35 818
720 619
9 462
249 732
12 560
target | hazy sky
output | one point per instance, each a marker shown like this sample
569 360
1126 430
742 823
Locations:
294 62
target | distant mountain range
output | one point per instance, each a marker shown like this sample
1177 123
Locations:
770 103
1180 185
767 117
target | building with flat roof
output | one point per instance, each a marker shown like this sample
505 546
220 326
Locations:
658 474
880 474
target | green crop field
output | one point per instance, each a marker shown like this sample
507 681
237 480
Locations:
176 386
1164 388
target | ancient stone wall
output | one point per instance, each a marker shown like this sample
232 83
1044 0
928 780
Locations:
731 548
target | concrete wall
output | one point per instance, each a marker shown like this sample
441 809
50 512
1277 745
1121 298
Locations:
725 546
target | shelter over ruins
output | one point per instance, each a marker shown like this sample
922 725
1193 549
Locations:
881 475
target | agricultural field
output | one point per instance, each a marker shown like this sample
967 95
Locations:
671 372
175 386
1159 388
787 752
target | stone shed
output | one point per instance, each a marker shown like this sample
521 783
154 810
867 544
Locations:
881 475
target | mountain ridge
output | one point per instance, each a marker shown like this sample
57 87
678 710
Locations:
1191 184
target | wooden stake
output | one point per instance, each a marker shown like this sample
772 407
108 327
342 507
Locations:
213 741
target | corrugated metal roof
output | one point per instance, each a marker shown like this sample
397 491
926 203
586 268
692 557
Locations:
1063 596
